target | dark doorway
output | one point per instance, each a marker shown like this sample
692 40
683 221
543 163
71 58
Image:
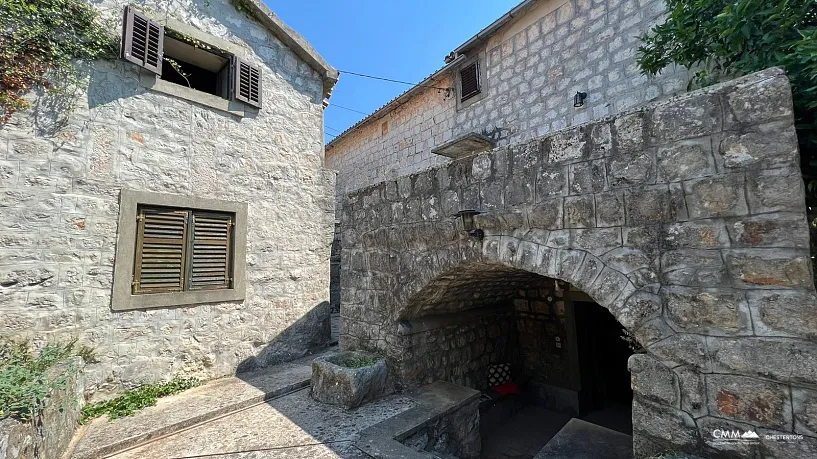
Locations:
606 396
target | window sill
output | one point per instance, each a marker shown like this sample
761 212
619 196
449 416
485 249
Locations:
163 300
152 82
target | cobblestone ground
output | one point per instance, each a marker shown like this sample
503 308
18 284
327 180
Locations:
292 426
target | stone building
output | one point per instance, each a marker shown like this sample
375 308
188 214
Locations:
681 223
179 225
521 73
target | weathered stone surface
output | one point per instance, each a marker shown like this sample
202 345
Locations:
629 132
768 231
631 169
647 206
775 191
704 234
804 405
712 312
692 389
769 268
770 93
580 212
749 400
692 116
786 360
610 209
784 313
682 348
341 380
689 159
666 423
652 380
716 197
587 177
637 309
701 268
568 146
769 146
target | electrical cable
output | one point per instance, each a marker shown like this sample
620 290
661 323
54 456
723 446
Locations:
347 108
393 81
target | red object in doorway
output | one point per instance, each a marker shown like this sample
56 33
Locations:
508 388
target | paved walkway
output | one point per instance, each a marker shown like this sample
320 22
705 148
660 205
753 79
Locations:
258 415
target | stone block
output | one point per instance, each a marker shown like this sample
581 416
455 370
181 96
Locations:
637 309
587 177
653 380
546 214
770 230
631 169
770 268
775 191
750 400
701 268
685 160
768 146
704 234
647 205
692 389
782 359
579 212
804 407
768 89
629 132
723 196
349 379
693 116
601 140
710 312
784 313
595 240
551 181
666 423
568 146
682 349
609 209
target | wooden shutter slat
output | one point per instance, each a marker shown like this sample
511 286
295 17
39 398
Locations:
161 249
469 81
142 41
247 83
209 260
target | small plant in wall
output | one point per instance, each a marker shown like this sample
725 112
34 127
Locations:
43 44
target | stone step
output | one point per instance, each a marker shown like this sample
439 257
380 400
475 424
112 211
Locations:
171 414
582 440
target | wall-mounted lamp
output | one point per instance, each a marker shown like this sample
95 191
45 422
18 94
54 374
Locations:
578 99
468 225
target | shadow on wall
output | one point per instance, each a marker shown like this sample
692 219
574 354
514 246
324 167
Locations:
309 334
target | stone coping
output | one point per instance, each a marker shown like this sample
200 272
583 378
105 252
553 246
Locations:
434 400
192 407
583 440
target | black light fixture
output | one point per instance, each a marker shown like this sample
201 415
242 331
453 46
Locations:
468 225
578 99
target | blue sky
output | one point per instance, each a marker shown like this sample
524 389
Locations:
399 39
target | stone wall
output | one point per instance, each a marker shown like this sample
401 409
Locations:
460 348
48 436
59 196
455 433
534 66
684 218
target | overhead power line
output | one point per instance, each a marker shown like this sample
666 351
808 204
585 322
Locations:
394 81
347 108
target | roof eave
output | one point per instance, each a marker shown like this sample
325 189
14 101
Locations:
294 41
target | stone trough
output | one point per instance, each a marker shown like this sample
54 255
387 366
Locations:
349 379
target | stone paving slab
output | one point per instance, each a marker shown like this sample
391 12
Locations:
582 440
288 426
194 406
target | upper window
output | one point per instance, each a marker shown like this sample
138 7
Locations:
188 62
469 81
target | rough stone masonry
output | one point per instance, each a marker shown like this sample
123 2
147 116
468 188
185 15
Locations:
59 199
684 218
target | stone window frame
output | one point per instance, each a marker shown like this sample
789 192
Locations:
479 58
123 298
153 82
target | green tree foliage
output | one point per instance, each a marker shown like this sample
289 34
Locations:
727 38
41 42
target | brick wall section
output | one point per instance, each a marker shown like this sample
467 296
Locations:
685 219
59 197
581 45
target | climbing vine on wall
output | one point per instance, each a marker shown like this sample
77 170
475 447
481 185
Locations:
41 43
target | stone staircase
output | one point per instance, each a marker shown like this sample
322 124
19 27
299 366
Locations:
174 414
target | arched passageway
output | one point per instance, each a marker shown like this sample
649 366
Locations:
485 325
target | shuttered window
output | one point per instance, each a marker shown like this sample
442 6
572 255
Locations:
142 41
182 250
469 81
248 83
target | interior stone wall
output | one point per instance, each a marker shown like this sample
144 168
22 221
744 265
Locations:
684 218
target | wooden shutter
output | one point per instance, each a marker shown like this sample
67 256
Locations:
247 83
142 41
469 81
161 246
209 264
